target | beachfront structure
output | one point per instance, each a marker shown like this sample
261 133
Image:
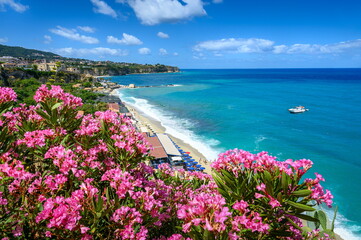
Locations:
168 145
114 107
158 151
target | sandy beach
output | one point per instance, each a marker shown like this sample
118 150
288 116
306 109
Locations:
157 127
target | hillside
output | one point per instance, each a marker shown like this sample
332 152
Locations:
31 57
26 53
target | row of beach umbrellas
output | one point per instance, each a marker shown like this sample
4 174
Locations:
191 164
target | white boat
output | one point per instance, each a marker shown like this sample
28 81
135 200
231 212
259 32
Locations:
298 109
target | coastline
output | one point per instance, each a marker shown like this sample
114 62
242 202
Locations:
157 127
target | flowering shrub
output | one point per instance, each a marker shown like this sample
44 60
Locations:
69 176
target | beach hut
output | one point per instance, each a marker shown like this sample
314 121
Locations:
168 145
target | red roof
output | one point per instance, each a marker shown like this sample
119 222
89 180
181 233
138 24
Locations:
158 150
113 107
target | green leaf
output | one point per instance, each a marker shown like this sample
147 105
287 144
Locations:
322 218
306 229
300 206
307 217
56 105
284 182
99 206
334 218
317 224
302 193
267 176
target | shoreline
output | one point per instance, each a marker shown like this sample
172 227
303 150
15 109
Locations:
156 126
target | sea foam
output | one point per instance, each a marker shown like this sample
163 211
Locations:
175 126
344 227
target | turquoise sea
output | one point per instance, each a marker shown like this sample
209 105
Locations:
216 110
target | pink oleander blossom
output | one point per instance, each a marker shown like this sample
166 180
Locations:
127 218
62 158
252 221
56 92
7 95
122 182
55 182
3 201
241 206
61 213
205 210
88 127
36 138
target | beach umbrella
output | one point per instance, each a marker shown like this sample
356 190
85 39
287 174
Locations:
198 165
202 168
188 152
191 168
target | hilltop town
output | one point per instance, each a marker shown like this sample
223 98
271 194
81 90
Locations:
29 59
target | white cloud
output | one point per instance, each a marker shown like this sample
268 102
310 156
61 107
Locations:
103 8
126 40
3 40
163 52
152 12
175 54
319 48
18 7
99 51
256 45
217 1
47 39
162 35
73 35
240 45
87 29
144 51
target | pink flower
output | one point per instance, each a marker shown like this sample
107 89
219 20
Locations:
205 210
3 201
240 206
43 94
7 95
258 195
62 158
261 187
274 203
122 182
36 138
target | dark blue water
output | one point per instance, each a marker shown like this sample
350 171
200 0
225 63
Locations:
215 110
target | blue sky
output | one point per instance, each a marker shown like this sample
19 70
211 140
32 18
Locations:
190 33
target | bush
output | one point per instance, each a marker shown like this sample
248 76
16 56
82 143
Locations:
64 176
